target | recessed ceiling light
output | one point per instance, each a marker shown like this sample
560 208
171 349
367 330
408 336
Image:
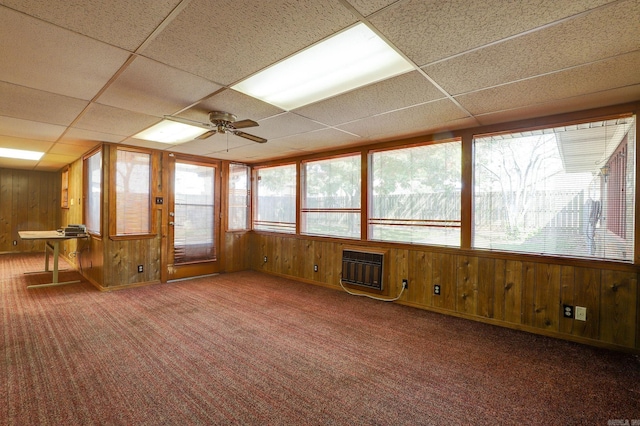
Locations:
170 131
20 154
346 61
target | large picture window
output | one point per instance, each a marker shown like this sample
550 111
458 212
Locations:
415 194
276 199
93 192
331 197
567 191
133 192
239 196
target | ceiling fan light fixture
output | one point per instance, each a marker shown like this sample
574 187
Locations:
351 59
20 154
171 131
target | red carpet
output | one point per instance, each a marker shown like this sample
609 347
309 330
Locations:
252 349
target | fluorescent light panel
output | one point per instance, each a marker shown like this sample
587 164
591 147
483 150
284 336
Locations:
20 154
346 61
169 131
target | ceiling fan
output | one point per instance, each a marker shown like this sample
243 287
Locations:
222 122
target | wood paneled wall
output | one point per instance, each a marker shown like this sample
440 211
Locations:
514 292
29 201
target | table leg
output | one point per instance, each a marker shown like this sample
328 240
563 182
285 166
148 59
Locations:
55 248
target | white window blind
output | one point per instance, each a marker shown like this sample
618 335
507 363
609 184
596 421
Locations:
276 199
331 197
133 192
239 196
92 212
415 194
566 191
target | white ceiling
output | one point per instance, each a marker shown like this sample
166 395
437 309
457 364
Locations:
74 76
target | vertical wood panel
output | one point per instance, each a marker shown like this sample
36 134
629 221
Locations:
547 296
513 292
567 288
587 294
6 203
467 284
528 292
487 279
499 269
619 295
419 276
398 270
444 274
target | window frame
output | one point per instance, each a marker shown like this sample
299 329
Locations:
436 223
255 198
303 196
113 215
249 199
86 190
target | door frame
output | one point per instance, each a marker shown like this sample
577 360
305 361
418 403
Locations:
169 271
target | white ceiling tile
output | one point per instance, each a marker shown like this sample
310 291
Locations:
283 125
257 152
395 93
30 129
232 39
122 23
575 103
367 7
13 163
31 104
320 140
620 71
13 142
88 137
69 150
115 121
407 121
243 106
152 88
46 57
616 27
431 30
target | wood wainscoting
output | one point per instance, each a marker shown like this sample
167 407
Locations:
520 292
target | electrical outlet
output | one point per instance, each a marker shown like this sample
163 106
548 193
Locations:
265 259
15 242
405 283
140 268
567 311
436 290
581 313
315 268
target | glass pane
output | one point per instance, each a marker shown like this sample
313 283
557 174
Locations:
133 210
194 232
565 191
239 196
93 216
331 199
416 194
276 199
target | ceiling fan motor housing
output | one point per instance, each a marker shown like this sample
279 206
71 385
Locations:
219 116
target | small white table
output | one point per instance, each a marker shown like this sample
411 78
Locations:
52 242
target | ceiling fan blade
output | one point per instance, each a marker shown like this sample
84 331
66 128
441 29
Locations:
244 124
207 134
250 137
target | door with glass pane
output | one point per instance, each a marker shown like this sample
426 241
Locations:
193 231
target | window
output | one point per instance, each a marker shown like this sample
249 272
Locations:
276 199
566 191
194 231
239 196
133 192
415 194
331 197
64 188
93 192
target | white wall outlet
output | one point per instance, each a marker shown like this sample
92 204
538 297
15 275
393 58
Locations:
581 313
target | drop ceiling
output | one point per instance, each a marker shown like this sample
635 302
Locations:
73 77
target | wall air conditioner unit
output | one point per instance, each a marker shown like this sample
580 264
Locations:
363 268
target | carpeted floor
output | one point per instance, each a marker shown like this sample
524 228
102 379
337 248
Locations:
252 349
